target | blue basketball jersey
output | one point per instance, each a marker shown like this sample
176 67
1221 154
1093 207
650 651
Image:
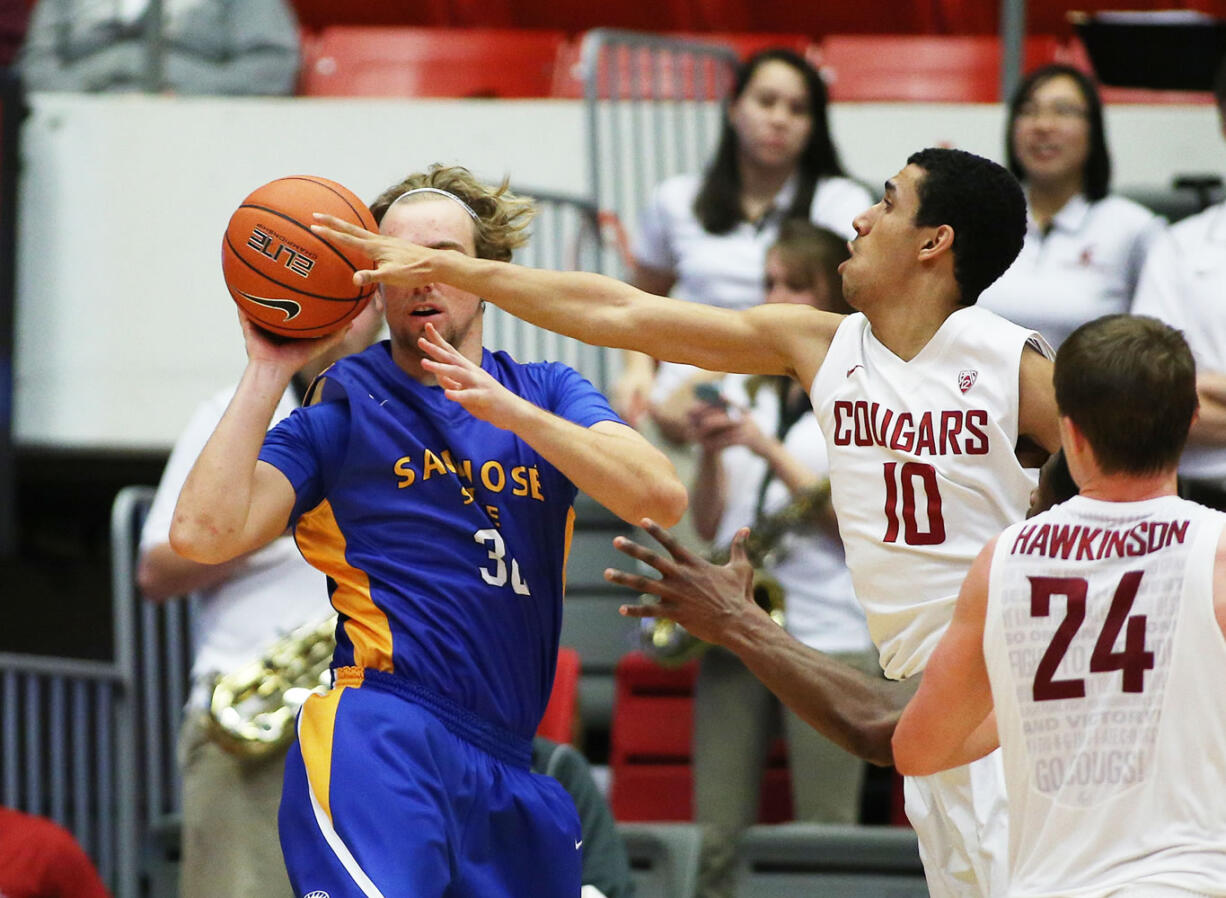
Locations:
444 538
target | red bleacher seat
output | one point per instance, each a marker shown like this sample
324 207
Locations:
650 747
430 62
558 722
928 68
627 73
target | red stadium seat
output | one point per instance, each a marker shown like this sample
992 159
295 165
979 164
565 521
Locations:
650 747
567 80
430 62
925 68
558 721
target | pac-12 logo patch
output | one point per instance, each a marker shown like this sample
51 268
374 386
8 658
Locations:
967 378
316 894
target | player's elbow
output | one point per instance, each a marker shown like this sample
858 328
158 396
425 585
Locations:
199 541
912 756
665 502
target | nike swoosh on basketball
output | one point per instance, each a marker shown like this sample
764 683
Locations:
288 306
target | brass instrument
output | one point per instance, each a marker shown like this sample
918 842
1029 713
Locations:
669 642
252 709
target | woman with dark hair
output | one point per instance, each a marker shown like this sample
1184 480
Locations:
1084 248
704 237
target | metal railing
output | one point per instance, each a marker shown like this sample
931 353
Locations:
654 108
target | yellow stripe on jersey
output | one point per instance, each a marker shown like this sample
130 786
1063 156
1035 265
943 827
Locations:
316 723
323 545
570 532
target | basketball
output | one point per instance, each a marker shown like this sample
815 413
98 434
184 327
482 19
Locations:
288 280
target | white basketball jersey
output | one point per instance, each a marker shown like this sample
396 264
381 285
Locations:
922 467
1107 667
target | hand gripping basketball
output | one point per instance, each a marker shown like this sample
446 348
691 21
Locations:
287 279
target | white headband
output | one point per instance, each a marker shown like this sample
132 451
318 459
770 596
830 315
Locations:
440 192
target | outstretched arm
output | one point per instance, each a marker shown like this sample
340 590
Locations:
715 603
609 461
775 339
950 722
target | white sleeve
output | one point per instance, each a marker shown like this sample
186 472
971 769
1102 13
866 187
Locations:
1158 289
653 241
187 448
837 202
1147 235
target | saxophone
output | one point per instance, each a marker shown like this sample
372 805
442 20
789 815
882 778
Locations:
252 709
669 643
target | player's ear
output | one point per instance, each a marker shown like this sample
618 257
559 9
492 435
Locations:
939 240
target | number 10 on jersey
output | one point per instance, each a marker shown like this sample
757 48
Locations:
909 486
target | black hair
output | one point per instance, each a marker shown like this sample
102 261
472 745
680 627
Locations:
983 204
1219 87
1096 174
718 204
1129 384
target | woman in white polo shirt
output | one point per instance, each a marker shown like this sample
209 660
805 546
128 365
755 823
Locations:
1084 248
704 237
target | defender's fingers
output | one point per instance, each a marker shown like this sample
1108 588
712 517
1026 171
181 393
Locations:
637 582
664 538
737 552
640 611
640 552
341 229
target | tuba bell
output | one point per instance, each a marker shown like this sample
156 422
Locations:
252 710
672 645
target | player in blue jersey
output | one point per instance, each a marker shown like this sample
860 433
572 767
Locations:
432 481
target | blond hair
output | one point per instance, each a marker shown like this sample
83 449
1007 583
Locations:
501 217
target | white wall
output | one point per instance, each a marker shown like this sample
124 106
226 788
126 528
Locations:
123 322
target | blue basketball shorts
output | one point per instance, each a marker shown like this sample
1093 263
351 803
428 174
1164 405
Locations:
392 792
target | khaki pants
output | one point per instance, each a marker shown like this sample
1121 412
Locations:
230 844
735 720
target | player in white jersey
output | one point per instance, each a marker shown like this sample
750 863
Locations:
1095 632
948 225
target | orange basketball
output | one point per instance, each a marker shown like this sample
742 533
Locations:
287 279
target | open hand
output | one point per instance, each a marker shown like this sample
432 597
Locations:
397 262
466 382
707 599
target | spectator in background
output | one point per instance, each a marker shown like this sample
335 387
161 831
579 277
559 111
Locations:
174 46
1084 248
704 237
761 450
40 859
230 844
1184 284
606 869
